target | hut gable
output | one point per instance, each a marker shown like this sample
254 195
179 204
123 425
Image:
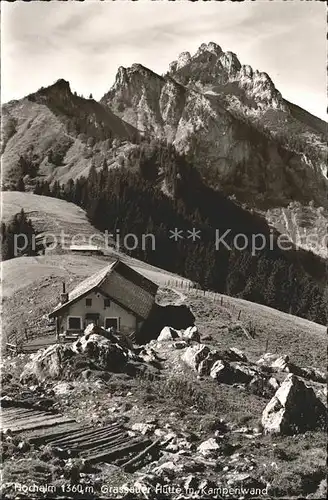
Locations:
118 282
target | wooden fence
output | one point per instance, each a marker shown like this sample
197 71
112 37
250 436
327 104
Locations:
18 339
222 300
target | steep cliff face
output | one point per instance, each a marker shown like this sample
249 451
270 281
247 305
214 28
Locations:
306 225
151 103
243 136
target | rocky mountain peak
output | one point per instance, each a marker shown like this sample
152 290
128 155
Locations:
183 59
60 85
230 62
212 69
209 47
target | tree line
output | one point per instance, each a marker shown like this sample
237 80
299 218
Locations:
17 237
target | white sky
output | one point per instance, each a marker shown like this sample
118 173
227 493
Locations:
86 42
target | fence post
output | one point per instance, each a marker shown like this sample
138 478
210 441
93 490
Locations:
267 344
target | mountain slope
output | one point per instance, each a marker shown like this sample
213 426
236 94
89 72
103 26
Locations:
56 134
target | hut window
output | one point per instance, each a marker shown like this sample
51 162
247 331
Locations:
88 302
74 323
112 323
106 302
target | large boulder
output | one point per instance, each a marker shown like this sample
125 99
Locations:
102 352
194 355
226 373
110 334
69 360
46 364
294 408
204 367
168 334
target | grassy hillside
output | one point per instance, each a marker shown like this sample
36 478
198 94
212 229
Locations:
47 214
25 301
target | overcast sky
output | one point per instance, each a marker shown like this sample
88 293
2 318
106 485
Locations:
86 42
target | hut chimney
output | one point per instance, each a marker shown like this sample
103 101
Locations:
64 295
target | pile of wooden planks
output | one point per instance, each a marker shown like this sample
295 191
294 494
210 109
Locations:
111 443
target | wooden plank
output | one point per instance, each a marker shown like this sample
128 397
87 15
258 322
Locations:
50 434
130 463
99 444
14 410
24 414
132 445
34 418
47 423
105 447
76 443
95 431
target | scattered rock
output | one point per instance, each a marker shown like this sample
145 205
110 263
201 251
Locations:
168 334
243 373
62 388
221 371
191 333
166 469
237 354
143 428
204 367
194 355
268 359
149 355
209 448
294 408
278 363
273 383
191 483
281 364
308 373
224 372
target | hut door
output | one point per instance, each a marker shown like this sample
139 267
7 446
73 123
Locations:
92 318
